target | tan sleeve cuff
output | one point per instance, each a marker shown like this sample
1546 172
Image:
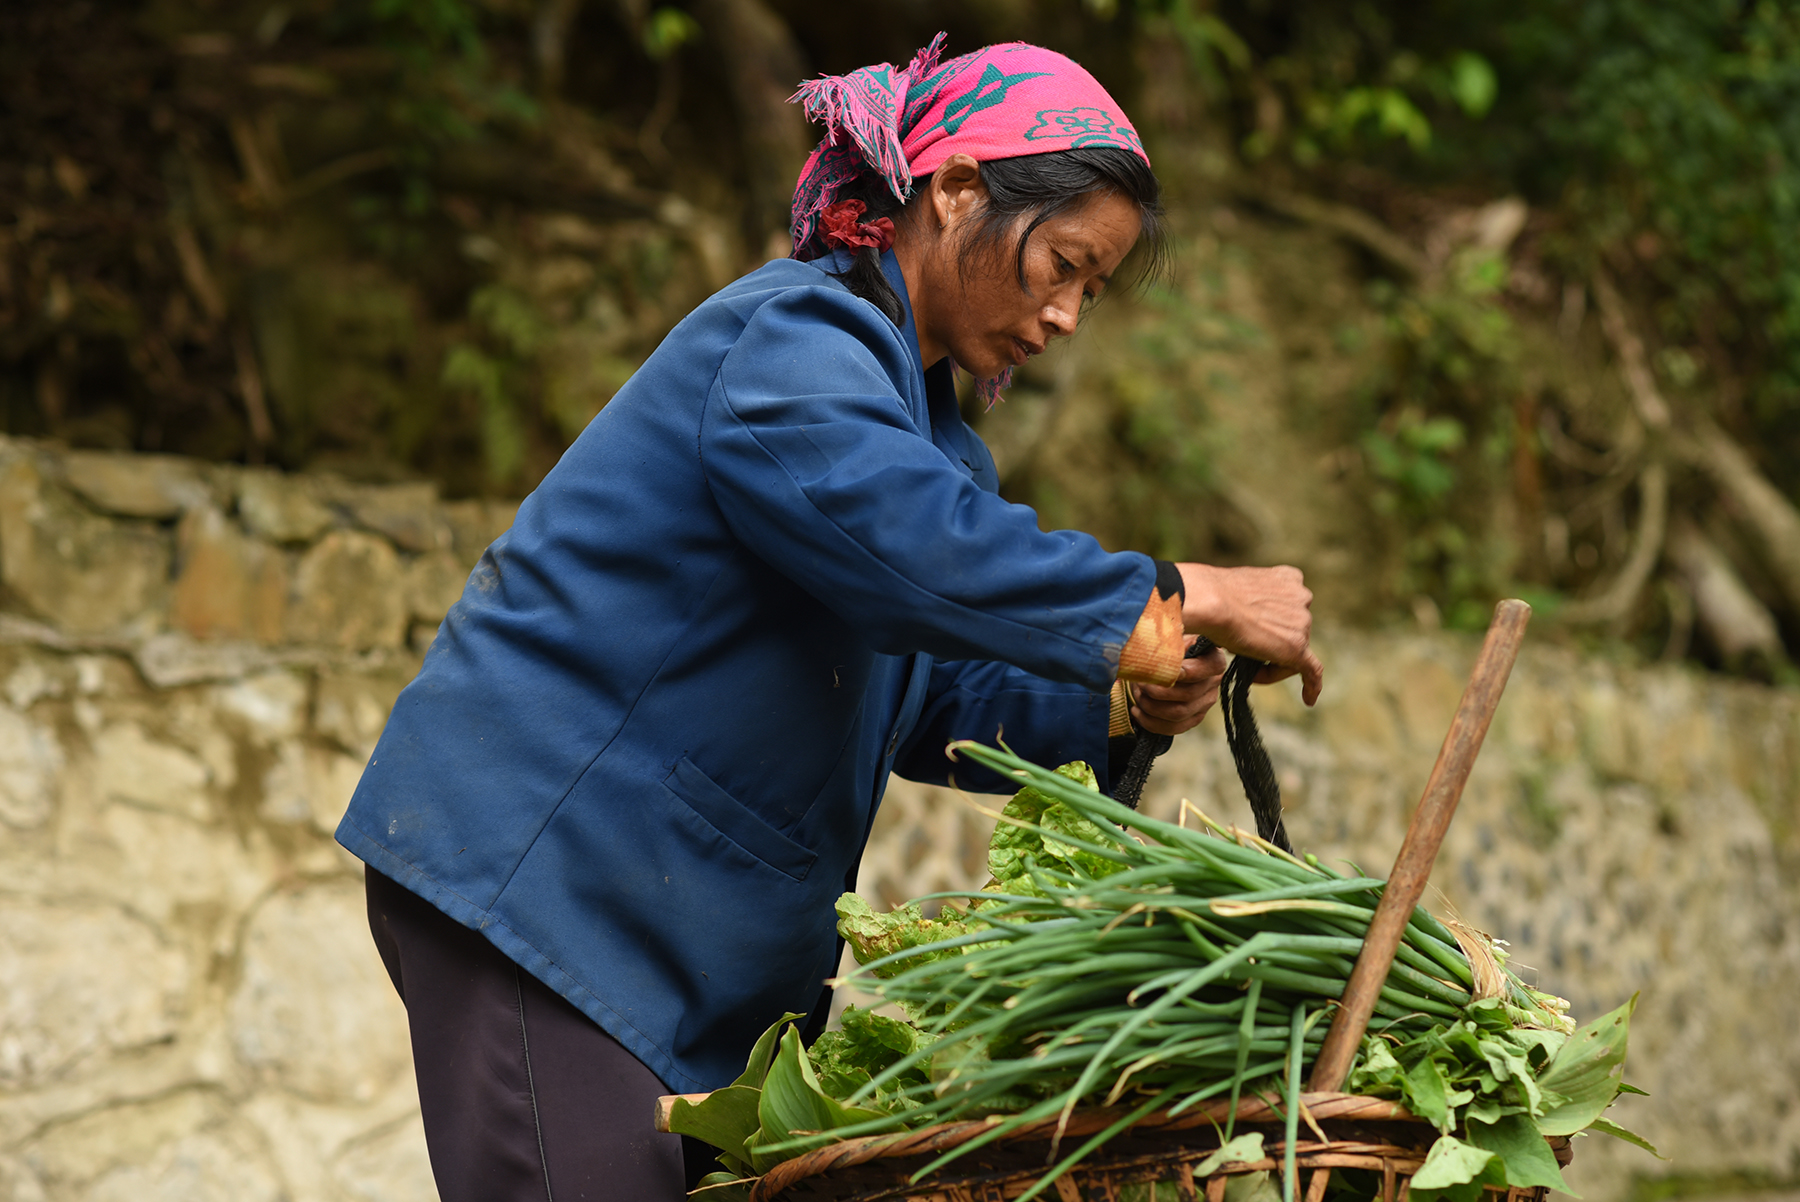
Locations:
1153 652
1118 723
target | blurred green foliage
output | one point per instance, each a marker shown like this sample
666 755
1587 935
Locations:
439 234
1664 135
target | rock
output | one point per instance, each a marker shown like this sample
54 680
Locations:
29 682
85 574
392 1166
136 486
433 584
349 593
408 514
475 524
381 1143
271 704
309 785
167 869
352 708
282 509
229 587
30 761
194 724
131 767
171 660
205 1167
314 1012
18 1183
88 1146
78 982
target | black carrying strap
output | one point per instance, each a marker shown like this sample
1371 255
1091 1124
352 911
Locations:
1253 767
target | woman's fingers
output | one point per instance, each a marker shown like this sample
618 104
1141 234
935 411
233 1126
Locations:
1311 674
1263 613
1178 708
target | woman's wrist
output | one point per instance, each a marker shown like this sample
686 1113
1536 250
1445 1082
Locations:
1203 606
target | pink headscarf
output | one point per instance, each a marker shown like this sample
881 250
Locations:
999 102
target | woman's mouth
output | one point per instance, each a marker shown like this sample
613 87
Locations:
1023 350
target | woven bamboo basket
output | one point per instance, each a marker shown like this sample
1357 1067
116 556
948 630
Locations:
1372 1138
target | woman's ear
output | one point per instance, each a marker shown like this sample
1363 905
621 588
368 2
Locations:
956 190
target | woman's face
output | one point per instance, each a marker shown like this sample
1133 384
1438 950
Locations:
973 308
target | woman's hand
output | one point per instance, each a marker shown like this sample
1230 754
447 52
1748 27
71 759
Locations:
1178 708
1264 613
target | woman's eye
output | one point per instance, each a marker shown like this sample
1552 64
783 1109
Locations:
1063 266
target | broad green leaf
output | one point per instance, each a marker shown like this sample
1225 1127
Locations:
757 1067
1456 1172
1484 1110
723 1187
1539 1045
1252 1187
1506 1062
1242 1150
1376 1068
1489 1014
1428 1094
1516 1140
725 1119
792 1103
1608 1127
1587 1071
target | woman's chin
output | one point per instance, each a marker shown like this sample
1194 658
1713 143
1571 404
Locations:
982 367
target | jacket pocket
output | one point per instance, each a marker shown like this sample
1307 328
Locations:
737 822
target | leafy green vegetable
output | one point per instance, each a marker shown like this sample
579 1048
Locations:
793 1103
867 1044
729 1118
1456 1172
1016 849
723 1187
763 1053
1525 1157
1606 1127
1245 1149
1587 1072
872 936
726 1119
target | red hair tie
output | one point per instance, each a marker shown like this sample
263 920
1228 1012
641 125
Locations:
843 229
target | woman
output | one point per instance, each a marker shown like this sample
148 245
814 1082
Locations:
606 824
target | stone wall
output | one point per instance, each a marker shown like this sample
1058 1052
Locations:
195 661
194 664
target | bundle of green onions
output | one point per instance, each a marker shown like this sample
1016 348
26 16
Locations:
1117 960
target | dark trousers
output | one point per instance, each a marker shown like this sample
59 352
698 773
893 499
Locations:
525 1098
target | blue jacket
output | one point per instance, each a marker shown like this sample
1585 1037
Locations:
644 751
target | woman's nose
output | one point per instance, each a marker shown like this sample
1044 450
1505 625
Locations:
1060 318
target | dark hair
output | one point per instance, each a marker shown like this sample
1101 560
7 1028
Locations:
1039 186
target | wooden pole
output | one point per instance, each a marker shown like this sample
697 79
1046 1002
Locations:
1423 838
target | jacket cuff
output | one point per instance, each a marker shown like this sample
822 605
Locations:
1154 651
1118 723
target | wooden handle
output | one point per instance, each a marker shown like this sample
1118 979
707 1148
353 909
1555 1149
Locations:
665 1106
1423 838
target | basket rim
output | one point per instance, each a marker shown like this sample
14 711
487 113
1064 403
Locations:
1315 1107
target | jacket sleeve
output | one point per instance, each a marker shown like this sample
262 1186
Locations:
1046 722
815 452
